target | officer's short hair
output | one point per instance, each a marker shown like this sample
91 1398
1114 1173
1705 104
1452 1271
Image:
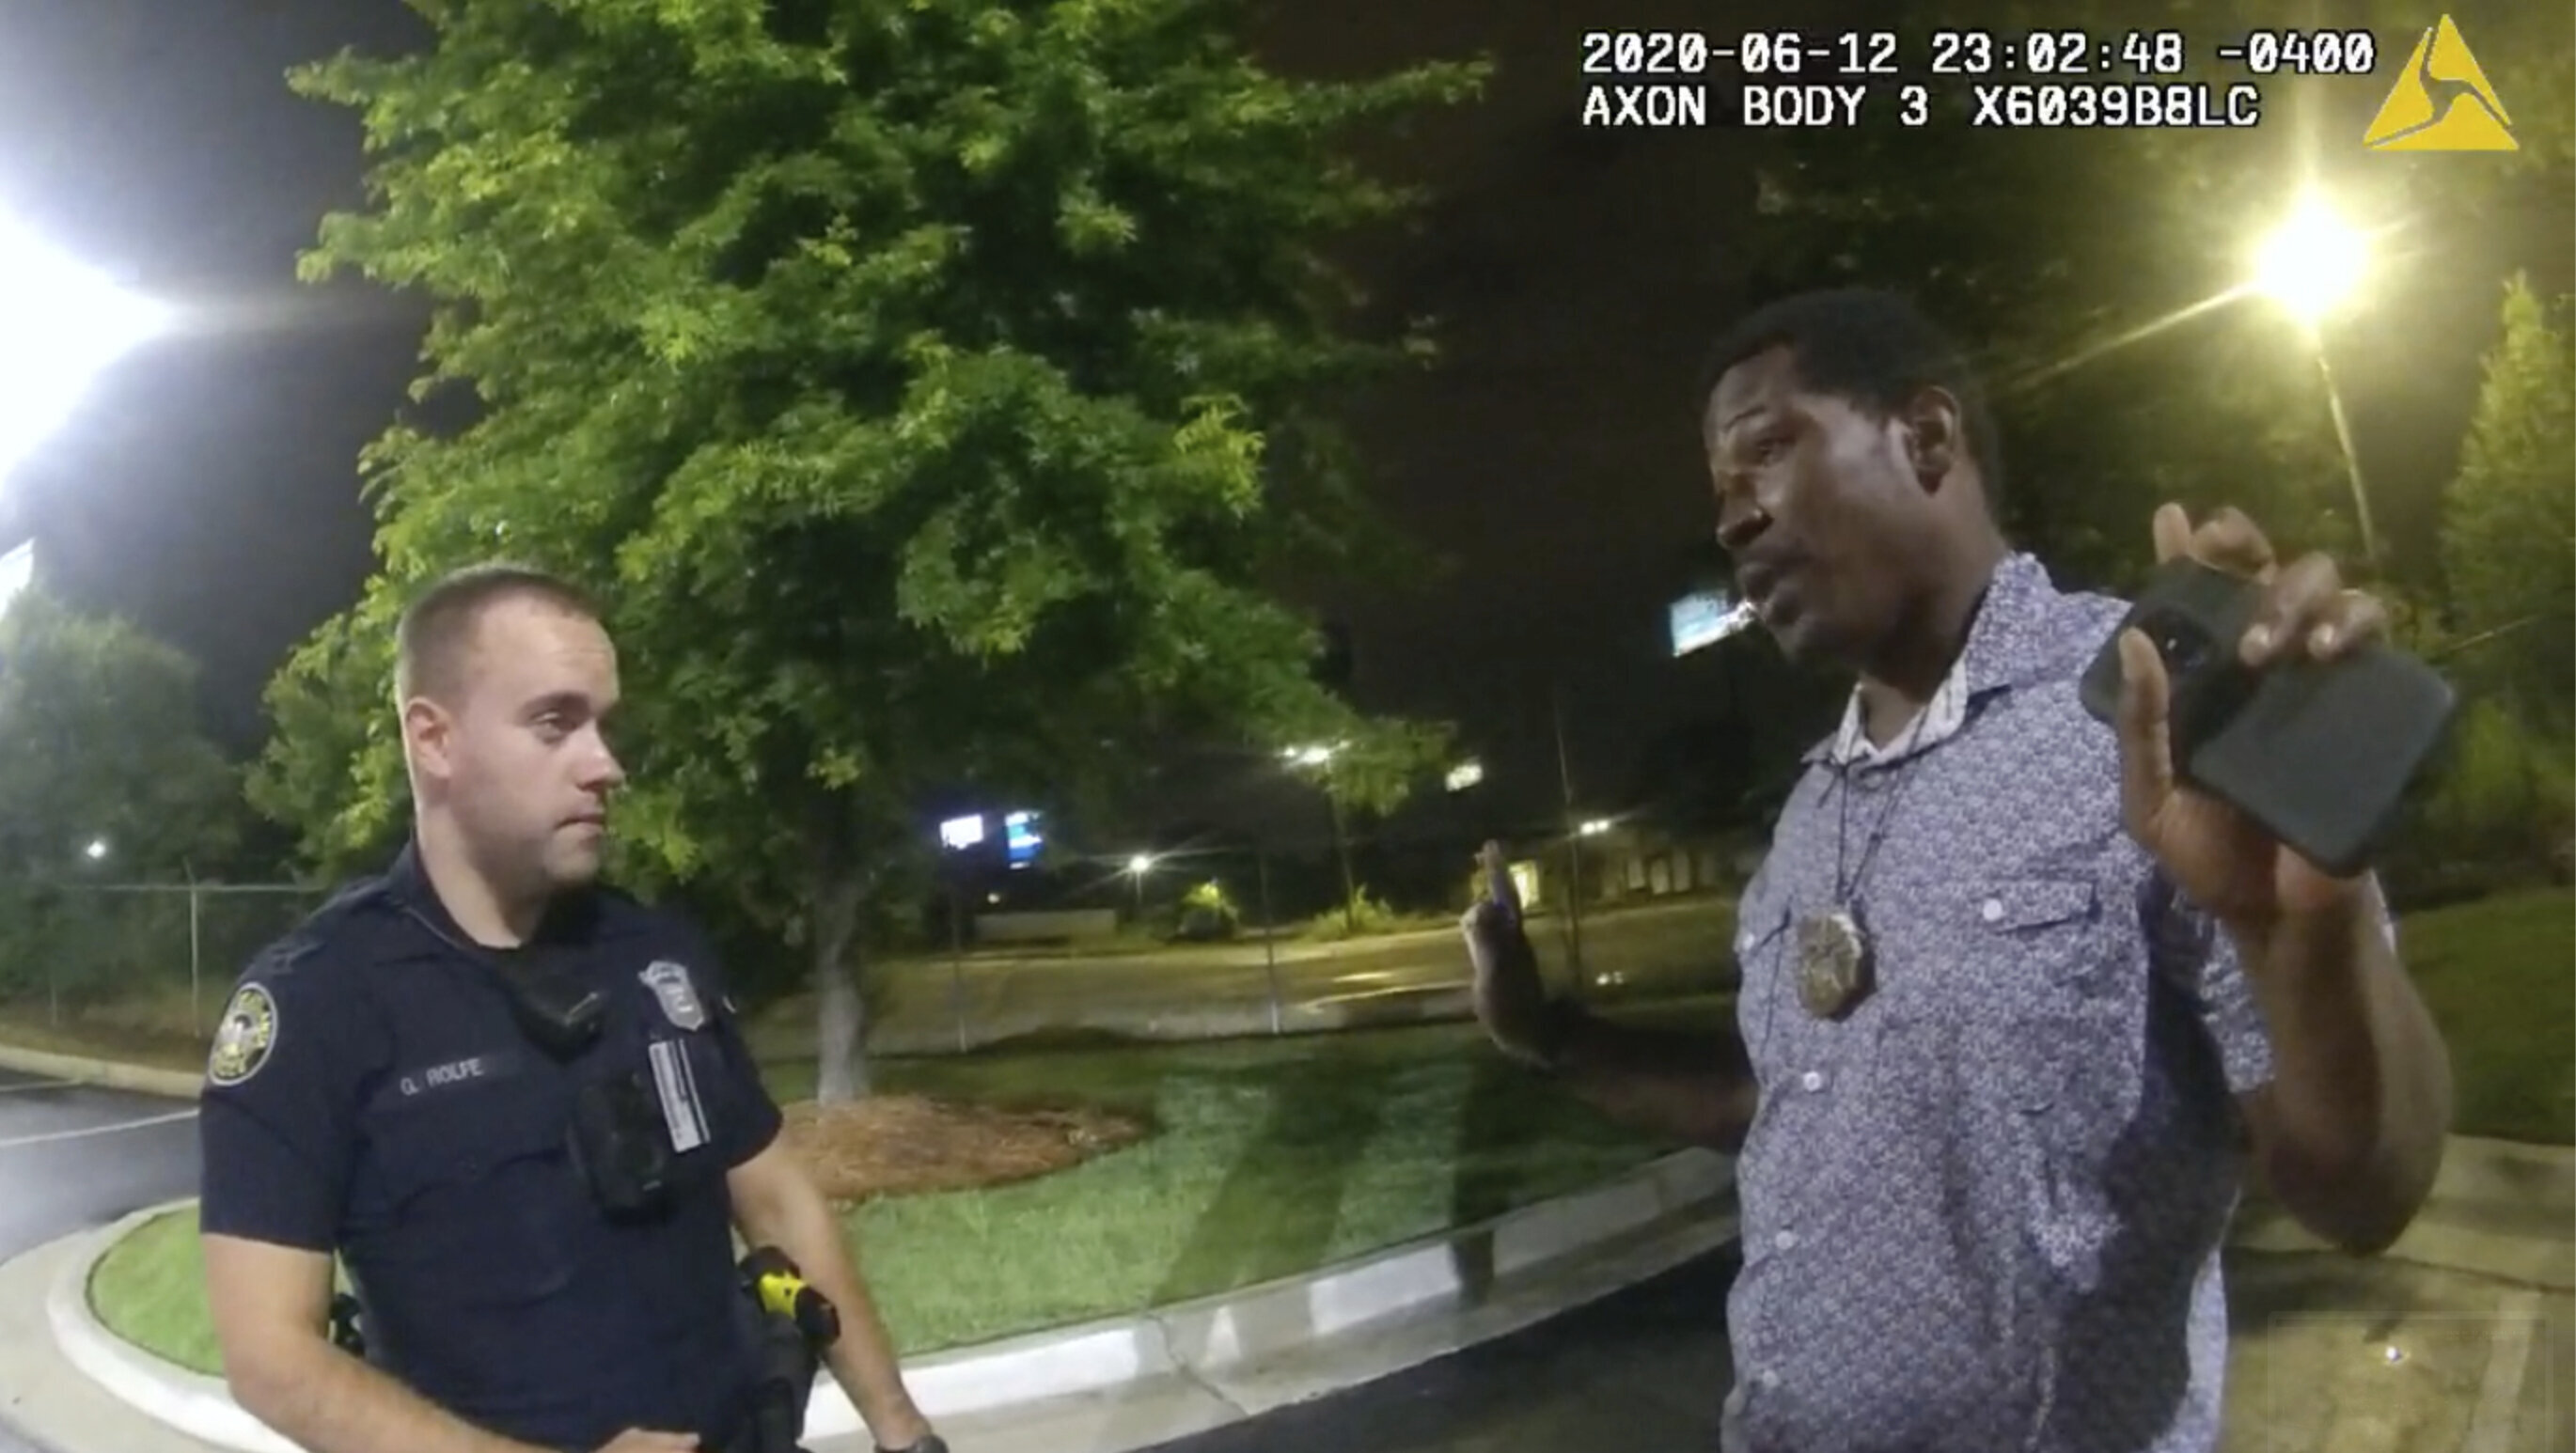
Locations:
438 625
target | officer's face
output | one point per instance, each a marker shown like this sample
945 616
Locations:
528 765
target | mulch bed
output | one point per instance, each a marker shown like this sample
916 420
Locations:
902 1145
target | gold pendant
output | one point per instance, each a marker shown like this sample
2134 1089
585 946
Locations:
1833 964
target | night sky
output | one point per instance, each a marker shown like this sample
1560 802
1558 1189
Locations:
209 490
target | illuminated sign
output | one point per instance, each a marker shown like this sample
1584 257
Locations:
1705 617
958 833
1020 838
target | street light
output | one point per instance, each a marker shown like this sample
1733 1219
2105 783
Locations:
2312 264
1137 867
96 852
65 325
1316 756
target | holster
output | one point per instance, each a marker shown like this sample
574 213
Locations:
787 1351
347 1331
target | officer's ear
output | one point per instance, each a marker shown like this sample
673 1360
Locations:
429 736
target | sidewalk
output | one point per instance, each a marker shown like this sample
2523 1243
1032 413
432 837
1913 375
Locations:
2461 1338
2333 1355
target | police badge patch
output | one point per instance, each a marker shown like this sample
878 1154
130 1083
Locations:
670 984
244 1038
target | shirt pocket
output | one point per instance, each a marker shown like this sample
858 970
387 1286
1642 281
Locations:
2042 942
2009 992
482 1193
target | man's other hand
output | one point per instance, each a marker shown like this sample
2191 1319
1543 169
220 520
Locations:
1510 1001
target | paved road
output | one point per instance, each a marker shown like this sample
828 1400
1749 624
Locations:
1658 950
72 1157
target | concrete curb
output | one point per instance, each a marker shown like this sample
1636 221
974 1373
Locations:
1409 1006
2539 1179
1646 1221
81 1070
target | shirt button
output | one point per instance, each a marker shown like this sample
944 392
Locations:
1786 1241
1993 912
1811 1081
1769 1379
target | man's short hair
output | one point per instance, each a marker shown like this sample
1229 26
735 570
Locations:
1871 348
437 629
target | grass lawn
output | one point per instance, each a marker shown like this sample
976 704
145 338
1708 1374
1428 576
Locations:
2500 978
152 1029
1270 1158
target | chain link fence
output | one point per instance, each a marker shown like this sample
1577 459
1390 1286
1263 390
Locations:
151 959
1226 942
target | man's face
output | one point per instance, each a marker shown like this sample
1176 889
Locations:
525 767
1817 503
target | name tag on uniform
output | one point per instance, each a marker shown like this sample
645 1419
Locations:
681 1110
422 1084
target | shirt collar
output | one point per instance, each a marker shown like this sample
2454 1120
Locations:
2008 645
570 919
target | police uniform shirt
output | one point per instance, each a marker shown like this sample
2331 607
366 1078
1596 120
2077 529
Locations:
371 1094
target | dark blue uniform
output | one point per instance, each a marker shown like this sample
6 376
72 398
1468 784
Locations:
372 1094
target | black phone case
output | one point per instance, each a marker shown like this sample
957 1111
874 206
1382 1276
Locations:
2320 754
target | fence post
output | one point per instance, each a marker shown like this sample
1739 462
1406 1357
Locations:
1269 935
957 963
196 959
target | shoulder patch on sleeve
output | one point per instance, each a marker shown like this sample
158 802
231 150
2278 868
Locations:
244 1038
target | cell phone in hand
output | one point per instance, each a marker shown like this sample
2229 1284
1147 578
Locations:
1499 887
2319 753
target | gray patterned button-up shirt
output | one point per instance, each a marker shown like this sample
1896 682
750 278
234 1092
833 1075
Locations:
1982 1213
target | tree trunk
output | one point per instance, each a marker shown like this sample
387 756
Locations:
1342 851
840 1006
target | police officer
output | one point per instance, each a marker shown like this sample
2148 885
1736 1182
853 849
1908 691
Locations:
514 1102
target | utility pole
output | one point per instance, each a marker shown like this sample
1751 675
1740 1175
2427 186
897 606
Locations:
1573 838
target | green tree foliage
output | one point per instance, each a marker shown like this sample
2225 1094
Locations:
2087 267
931 386
99 743
2509 526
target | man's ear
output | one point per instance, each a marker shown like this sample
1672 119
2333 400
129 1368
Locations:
1932 436
428 736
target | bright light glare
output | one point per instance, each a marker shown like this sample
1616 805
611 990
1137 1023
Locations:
1140 865
1595 828
2313 262
97 849
65 325
1465 775
1314 756
17 573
